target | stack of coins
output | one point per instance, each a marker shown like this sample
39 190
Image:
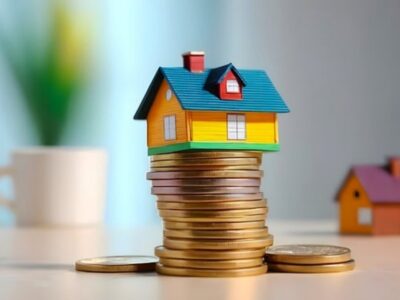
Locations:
213 211
307 258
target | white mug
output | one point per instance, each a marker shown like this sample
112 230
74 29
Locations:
56 186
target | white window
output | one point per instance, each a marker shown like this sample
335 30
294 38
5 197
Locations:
364 216
169 128
168 94
236 127
232 86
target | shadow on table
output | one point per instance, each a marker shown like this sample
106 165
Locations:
37 266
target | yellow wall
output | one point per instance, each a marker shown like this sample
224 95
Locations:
155 120
348 206
212 127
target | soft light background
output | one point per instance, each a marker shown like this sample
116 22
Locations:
336 63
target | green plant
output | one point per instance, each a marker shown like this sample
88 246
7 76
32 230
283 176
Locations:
49 74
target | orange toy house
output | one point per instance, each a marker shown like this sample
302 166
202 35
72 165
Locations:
369 200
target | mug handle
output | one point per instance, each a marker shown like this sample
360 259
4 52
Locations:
6 171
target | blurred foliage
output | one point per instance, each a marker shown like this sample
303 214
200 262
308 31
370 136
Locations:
49 73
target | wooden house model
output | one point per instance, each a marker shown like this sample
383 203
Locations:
224 108
369 200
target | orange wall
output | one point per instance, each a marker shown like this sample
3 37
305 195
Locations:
386 219
155 120
348 207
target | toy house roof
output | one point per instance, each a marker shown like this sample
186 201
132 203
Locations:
259 94
378 183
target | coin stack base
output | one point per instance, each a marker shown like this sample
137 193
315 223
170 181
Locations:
213 211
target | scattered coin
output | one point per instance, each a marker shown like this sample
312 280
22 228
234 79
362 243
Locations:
161 251
211 205
214 225
319 268
208 182
211 264
211 273
205 174
306 254
206 154
116 264
217 234
219 244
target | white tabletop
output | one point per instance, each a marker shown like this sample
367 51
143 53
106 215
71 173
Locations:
38 264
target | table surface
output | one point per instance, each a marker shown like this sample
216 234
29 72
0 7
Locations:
37 263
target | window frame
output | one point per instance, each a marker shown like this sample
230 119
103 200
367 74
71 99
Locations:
232 83
239 134
169 130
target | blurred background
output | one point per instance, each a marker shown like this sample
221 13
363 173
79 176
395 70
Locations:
87 65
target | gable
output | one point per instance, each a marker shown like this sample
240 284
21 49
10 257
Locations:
350 188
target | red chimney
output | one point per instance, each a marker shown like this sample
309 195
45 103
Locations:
193 61
394 165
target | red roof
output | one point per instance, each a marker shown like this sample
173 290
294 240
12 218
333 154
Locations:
379 183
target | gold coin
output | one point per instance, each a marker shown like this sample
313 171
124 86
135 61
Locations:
161 251
205 174
116 264
211 264
212 213
214 226
205 162
185 244
323 268
307 254
217 234
206 168
208 182
209 198
206 154
203 190
211 273
212 205
216 219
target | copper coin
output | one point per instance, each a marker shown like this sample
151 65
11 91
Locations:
205 174
205 162
166 213
217 234
209 198
208 182
202 205
206 168
211 264
217 219
213 225
206 154
203 190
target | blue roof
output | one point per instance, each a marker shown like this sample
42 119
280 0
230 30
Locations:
259 94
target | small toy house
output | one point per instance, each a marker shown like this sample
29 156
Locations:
369 200
224 108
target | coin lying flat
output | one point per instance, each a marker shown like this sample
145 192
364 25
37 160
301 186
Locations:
184 244
321 268
214 162
307 254
116 264
206 154
161 251
208 182
216 219
217 234
203 190
211 273
211 264
206 168
212 213
189 198
205 174
212 206
214 225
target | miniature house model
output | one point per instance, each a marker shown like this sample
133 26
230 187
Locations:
369 200
225 108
